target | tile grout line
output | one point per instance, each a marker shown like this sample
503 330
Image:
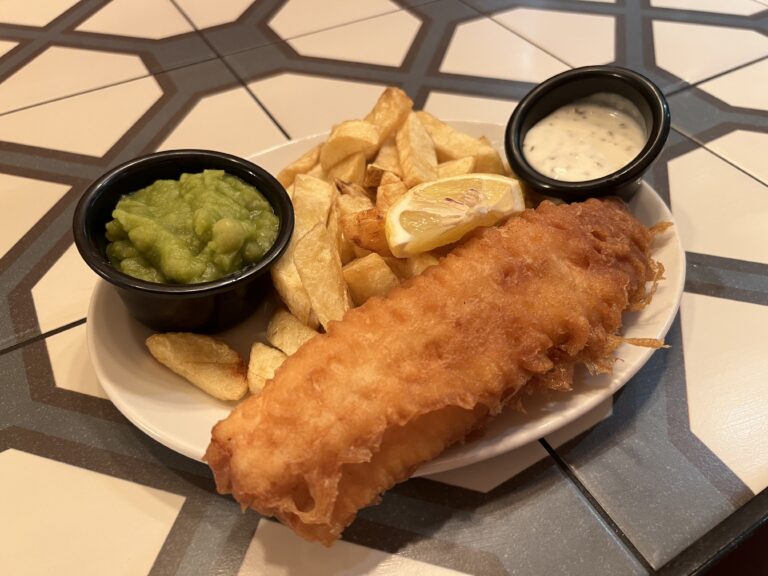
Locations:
112 85
701 144
698 83
42 336
597 508
234 73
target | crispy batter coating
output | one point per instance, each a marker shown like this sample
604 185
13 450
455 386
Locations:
403 377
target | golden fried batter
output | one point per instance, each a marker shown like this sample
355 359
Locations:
403 377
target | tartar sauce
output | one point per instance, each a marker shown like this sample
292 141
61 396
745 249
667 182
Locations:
586 139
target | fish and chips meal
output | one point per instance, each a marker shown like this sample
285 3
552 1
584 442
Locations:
422 292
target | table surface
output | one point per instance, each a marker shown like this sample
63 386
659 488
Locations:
657 480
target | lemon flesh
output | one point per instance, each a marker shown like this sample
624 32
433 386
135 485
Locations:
441 212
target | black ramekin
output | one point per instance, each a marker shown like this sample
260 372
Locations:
573 85
203 307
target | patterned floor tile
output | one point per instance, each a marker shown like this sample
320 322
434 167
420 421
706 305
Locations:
36 14
70 362
6 46
725 339
697 181
576 39
284 96
158 36
21 213
741 88
61 71
470 532
475 48
88 515
693 52
459 107
242 127
745 149
62 295
276 551
742 7
86 124
658 482
299 17
151 19
205 14
384 40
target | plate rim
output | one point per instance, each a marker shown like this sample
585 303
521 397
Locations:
444 462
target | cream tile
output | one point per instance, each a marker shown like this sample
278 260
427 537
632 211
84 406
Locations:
303 16
60 71
60 519
230 122
71 365
745 87
332 101
709 222
154 19
745 149
384 40
89 123
62 295
6 46
742 7
485 48
725 368
24 202
38 13
696 51
577 39
461 107
276 551
206 14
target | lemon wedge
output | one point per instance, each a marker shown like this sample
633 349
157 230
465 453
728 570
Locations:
440 212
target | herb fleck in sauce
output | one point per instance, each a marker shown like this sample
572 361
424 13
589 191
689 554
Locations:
586 139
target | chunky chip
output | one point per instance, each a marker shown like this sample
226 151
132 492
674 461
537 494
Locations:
262 364
390 111
287 333
349 138
390 189
300 166
369 276
456 167
204 361
351 169
319 266
450 144
366 230
416 151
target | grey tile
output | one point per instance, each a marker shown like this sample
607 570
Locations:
535 523
654 478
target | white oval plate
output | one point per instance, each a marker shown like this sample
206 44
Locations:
180 416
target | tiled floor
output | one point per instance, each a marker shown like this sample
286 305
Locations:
628 489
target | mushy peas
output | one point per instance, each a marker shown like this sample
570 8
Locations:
195 229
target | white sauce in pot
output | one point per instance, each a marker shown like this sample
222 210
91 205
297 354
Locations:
586 139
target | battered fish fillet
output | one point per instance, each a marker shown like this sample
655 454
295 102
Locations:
401 378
